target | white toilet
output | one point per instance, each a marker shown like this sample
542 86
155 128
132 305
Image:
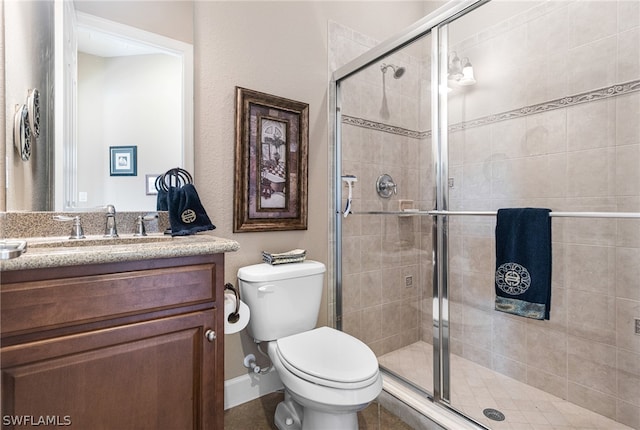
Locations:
328 375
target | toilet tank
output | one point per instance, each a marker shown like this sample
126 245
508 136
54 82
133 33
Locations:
284 299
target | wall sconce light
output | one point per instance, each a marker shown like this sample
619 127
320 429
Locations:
467 74
455 68
460 71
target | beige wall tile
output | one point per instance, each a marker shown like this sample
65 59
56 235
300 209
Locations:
593 400
593 65
371 324
581 19
371 288
351 255
508 139
628 170
478 290
547 382
370 253
512 368
351 324
626 313
592 316
590 364
591 231
399 316
591 268
629 388
478 327
628 230
590 172
591 125
477 354
628 14
629 54
509 338
478 254
627 273
628 414
547 351
546 133
351 293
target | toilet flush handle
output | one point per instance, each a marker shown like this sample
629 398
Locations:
266 289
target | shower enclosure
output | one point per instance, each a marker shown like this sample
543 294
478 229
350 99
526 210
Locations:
479 106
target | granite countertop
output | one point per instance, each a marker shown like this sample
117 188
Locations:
60 251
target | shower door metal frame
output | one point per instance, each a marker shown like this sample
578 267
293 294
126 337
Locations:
430 24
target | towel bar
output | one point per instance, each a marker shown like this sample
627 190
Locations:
493 213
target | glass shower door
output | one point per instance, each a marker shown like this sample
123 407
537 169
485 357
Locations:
543 123
529 104
385 277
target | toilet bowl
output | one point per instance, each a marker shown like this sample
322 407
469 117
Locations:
331 374
328 375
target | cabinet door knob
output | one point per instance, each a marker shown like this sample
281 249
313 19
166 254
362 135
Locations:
210 335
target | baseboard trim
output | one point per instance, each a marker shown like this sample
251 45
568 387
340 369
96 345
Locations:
245 388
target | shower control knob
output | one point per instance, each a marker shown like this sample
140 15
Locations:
210 335
385 186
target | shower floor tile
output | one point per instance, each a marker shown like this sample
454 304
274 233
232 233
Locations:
475 388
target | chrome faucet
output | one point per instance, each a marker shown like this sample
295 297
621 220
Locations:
110 229
76 231
140 228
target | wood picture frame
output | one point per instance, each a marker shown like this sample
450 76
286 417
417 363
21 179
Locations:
271 162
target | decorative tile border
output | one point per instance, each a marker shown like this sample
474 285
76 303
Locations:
379 126
589 96
586 97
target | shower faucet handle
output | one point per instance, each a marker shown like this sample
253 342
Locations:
385 186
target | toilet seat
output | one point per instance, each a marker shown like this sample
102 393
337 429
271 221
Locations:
329 357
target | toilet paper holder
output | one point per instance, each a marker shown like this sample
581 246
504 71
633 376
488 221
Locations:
234 316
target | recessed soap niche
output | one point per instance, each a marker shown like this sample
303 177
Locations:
406 206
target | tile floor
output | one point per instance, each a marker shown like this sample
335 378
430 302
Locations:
475 388
258 415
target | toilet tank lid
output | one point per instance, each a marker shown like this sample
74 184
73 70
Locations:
264 272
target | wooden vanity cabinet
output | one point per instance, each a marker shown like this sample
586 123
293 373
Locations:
129 345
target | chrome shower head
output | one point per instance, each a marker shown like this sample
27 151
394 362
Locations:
398 71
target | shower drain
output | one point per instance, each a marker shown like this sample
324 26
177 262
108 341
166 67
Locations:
493 414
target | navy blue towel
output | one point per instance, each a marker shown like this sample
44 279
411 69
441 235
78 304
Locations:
162 201
186 214
523 262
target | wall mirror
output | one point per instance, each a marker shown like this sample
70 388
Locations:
123 110
133 119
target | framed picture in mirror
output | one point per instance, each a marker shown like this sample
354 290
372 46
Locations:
271 157
123 160
150 184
